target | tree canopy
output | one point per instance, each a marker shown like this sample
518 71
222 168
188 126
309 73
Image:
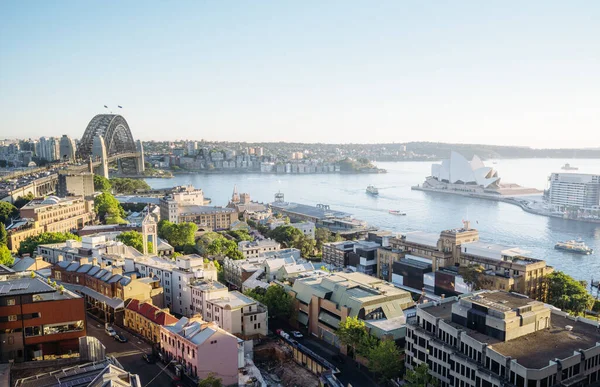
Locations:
564 292
22 200
101 184
108 208
384 360
211 381
240 235
419 377
179 235
290 236
351 332
6 257
135 240
3 234
127 186
278 302
472 275
7 212
323 235
30 244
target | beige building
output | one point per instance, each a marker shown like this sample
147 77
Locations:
495 338
386 256
146 319
232 311
325 299
51 214
75 184
254 249
179 197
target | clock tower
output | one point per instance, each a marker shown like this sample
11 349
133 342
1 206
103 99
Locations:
149 231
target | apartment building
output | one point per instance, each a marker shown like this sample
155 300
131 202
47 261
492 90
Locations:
146 319
93 246
326 299
254 249
51 214
336 253
232 311
575 190
180 196
495 338
386 256
37 320
358 256
75 184
174 277
106 288
202 348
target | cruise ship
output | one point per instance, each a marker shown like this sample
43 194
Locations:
371 190
574 247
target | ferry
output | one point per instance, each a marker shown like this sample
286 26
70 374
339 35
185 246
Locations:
574 247
371 190
397 212
568 167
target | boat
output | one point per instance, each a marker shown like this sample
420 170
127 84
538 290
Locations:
397 212
568 167
371 190
574 247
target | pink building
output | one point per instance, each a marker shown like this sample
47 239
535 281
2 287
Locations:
202 347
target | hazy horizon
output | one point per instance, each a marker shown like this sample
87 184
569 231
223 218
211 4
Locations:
508 74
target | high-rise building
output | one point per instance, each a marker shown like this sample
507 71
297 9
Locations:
48 148
67 148
575 190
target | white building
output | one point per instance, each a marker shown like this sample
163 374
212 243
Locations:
232 311
575 189
458 170
93 246
180 196
307 228
174 276
253 249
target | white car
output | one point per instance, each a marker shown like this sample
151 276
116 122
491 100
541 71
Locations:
297 334
110 331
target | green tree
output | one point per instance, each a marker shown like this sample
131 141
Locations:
128 186
22 200
240 235
211 381
3 235
472 275
278 302
286 235
179 235
306 246
6 257
420 377
7 212
30 244
135 240
101 184
323 235
106 206
564 292
384 360
351 332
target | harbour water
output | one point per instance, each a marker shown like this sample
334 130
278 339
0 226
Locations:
426 211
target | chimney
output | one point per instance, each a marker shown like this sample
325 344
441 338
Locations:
95 261
102 265
116 270
443 296
83 261
133 276
59 258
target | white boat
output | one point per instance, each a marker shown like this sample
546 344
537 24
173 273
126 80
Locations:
397 212
371 190
568 167
574 247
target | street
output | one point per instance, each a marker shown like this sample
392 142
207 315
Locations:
129 354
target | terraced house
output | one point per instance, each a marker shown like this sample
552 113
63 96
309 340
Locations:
146 319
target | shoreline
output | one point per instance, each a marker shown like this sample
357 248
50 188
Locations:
510 200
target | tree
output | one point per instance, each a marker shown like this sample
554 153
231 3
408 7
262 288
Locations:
323 235
22 200
128 186
211 381
420 377
6 257
278 302
102 184
3 235
306 247
384 359
7 212
179 235
564 292
106 206
135 240
351 332
240 235
286 235
472 275
30 244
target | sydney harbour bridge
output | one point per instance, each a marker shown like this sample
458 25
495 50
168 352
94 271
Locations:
108 138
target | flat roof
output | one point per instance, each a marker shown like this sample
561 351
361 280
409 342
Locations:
195 209
422 238
501 301
23 285
312 211
500 249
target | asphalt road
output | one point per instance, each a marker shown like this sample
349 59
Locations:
129 354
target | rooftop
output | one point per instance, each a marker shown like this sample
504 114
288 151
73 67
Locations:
234 300
318 212
152 312
422 238
51 201
501 250
195 330
501 301
19 285
195 209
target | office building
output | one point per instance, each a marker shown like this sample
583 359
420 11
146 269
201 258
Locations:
337 253
75 184
495 338
386 256
38 320
575 190
180 196
51 214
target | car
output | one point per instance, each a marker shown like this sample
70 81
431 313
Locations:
297 334
338 359
120 338
110 331
149 358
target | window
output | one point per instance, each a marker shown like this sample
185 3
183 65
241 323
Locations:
12 317
10 302
33 331
72 326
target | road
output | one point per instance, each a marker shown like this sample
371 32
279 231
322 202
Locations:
129 354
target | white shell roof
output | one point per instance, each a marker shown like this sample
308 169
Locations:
458 170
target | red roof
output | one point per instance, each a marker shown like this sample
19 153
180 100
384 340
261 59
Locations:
152 313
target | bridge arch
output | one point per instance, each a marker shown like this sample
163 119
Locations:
116 133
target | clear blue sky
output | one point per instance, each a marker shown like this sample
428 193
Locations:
504 72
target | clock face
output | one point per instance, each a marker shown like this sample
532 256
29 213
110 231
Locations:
150 228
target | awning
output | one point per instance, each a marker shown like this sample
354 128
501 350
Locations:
328 319
115 303
302 318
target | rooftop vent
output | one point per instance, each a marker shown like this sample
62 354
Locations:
569 327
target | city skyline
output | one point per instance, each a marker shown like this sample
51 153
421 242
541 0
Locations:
511 74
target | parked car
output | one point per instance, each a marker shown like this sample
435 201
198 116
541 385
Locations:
110 331
150 359
120 338
297 334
